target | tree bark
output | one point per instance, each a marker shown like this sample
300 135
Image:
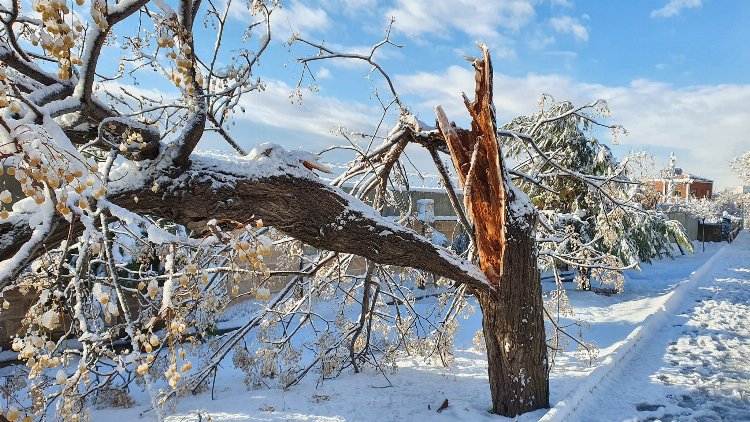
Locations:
504 224
301 206
514 333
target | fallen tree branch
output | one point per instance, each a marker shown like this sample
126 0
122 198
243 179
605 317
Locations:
299 205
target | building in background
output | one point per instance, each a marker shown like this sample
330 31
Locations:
674 186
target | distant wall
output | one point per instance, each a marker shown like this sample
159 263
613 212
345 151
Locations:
690 223
709 232
713 231
727 230
442 204
702 189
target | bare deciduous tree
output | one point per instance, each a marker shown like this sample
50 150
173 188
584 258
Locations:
133 242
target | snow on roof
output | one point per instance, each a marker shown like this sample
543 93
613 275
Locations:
684 178
696 178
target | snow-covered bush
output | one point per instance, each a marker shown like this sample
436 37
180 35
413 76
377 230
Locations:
724 205
601 226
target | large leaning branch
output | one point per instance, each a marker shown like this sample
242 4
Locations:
298 204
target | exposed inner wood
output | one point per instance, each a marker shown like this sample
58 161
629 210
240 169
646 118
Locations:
512 319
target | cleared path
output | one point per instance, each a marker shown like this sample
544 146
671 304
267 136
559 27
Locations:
695 367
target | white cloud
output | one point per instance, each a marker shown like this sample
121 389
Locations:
381 54
674 7
562 3
358 4
349 7
323 73
291 18
484 20
166 94
686 120
570 25
539 40
317 114
298 18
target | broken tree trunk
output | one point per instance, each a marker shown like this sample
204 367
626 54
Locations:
504 221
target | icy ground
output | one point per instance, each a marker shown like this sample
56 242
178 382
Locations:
696 367
674 346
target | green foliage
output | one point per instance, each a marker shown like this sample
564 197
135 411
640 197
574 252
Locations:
593 220
677 231
565 142
642 236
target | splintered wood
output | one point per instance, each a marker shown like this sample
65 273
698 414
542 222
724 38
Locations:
480 167
504 224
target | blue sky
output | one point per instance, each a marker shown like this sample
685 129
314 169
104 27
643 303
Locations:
676 73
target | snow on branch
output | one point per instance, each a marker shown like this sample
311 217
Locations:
284 194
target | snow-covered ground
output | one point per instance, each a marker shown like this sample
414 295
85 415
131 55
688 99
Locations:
697 365
674 346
